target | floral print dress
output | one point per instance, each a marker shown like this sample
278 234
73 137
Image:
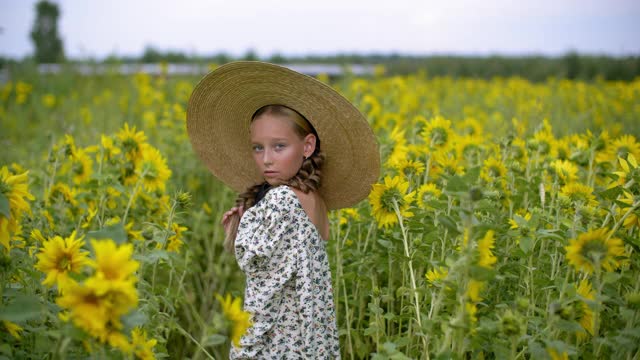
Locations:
288 282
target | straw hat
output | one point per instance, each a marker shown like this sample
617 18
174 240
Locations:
219 115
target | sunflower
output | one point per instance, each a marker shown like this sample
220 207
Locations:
15 190
437 132
563 147
579 193
544 143
174 242
469 147
470 126
63 192
633 219
408 167
59 257
142 348
517 218
347 214
427 192
13 329
620 148
435 276
233 311
108 148
471 309
398 154
113 262
383 197
557 355
565 170
87 308
584 314
485 245
474 287
595 248
82 166
493 169
629 169
153 169
132 142
448 163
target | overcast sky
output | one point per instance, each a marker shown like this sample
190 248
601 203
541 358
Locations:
298 27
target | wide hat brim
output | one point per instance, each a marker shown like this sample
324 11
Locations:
219 115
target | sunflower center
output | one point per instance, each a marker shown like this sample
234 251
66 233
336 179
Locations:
130 146
4 188
439 136
579 197
386 200
78 168
622 152
150 171
544 147
65 263
594 250
494 171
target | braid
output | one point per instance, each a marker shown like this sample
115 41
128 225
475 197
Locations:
307 179
246 199
309 176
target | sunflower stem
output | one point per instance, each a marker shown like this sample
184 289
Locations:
405 242
623 218
133 195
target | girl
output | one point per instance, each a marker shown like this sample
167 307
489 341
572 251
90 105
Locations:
277 117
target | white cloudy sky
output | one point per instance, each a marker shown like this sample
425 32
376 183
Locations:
292 27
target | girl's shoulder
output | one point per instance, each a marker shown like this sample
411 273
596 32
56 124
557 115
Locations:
279 197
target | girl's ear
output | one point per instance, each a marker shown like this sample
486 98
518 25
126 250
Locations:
309 145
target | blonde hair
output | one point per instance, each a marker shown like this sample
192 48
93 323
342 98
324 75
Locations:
307 179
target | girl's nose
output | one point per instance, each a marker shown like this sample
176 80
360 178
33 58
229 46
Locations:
266 157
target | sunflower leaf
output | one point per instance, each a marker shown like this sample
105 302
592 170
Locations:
23 308
115 232
611 194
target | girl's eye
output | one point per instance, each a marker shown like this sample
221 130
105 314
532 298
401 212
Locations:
257 147
280 146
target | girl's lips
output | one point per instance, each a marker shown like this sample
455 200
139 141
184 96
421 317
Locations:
269 173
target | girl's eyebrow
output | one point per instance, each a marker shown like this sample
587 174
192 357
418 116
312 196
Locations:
274 139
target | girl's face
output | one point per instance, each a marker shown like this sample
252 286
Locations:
277 150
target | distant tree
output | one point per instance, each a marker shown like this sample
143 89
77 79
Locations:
277 58
44 33
151 55
250 55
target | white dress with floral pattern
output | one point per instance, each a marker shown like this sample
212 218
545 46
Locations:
288 282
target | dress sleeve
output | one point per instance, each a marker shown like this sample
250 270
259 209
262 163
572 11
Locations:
266 251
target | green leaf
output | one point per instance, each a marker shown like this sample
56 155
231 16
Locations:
611 194
375 308
4 206
134 318
526 244
611 277
23 308
214 340
385 243
448 222
456 184
115 232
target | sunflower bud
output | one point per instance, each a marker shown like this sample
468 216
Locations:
633 300
510 324
184 199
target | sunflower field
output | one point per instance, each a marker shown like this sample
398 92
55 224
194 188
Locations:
505 223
